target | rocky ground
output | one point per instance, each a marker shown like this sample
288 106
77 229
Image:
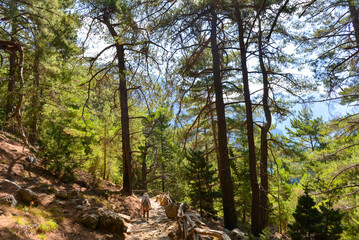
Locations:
157 227
35 204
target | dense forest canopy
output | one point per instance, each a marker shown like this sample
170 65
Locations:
185 96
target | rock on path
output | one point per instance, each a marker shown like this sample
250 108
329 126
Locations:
158 226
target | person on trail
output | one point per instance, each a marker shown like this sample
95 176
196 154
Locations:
146 205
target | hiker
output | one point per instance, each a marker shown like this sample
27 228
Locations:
145 205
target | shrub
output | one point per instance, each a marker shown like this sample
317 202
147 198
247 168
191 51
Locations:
47 226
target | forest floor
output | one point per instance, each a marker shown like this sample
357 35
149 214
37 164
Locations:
25 222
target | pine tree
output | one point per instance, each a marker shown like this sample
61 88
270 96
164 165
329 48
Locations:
306 130
310 223
201 179
331 225
306 218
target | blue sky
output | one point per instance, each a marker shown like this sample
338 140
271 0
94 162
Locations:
326 110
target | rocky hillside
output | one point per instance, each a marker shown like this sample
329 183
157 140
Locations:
35 204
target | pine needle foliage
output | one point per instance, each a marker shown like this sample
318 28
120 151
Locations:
201 178
310 223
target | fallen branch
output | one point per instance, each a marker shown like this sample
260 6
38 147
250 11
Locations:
184 219
208 232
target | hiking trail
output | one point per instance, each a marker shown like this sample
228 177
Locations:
157 227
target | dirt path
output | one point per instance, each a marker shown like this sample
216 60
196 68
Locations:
157 227
14 168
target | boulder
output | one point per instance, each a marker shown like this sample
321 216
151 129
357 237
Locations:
88 220
237 234
79 208
57 202
9 186
62 194
31 160
108 236
125 217
81 201
28 196
171 210
117 236
74 194
111 222
8 200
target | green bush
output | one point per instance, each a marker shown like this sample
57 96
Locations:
47 226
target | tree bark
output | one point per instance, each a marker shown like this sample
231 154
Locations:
264 134
255 214
11 86
104 151
17 112
209 201
144 169
354 14
229 211
125 125
163 179
12 67
33 135
213 123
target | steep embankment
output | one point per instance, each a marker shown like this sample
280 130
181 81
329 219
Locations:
35 204
47 208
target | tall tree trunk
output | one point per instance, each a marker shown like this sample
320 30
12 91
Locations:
144 169
33 135
255 214
125 122
11 86
163 176
209 201
354 14
215 142
163 179
264 134
12 68
17 111
104 151
213 123
229 211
